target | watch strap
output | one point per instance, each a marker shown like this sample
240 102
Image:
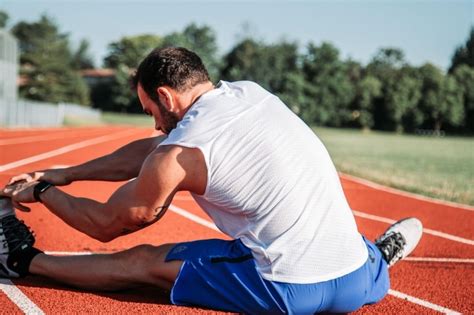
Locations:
40 188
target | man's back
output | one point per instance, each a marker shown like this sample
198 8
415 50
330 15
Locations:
271 183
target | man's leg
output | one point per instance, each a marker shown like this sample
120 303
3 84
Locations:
141 265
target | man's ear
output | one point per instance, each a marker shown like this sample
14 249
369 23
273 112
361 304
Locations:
167 98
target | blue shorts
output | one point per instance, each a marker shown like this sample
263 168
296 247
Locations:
222 275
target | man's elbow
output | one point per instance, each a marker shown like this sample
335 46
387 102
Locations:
112 228
103 230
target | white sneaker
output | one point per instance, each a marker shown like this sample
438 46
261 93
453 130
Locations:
15 238
400 239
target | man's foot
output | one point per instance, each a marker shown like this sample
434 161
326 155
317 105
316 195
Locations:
399 240
16 242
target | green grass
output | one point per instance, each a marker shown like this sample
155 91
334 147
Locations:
109 118
436 167
72 121
141 120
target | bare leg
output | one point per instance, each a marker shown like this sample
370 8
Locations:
144 264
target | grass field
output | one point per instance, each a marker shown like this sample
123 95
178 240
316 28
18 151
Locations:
109 118
129 119
435 167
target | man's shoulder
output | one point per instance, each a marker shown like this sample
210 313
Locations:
248 90
187 163
244 84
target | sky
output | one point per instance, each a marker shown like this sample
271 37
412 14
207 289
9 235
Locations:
426 31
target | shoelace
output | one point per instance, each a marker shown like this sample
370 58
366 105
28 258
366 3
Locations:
16 233
392 246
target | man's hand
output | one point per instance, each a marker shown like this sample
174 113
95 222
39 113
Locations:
22 192
57 177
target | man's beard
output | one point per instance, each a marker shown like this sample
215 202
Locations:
170 119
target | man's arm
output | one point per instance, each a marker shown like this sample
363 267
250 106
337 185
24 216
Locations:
122 164
136 204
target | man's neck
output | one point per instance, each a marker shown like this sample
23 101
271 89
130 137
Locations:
188 98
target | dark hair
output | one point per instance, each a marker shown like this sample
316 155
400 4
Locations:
175 67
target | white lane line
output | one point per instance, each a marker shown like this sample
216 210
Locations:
427 231
440 260
66 149
421 302
194 217
19 298
60 253
395 191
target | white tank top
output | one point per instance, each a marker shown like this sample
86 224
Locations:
271 184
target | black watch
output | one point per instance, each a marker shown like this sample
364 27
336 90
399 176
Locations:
40 188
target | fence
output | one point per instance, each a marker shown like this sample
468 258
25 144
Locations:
8 73
25 113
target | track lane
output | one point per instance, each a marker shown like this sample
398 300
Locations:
33 136
390 304
26 132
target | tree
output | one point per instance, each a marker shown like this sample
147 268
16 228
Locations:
123 56
331 91
442 98
464 76
3 19
367 90
464 54
81 58
401 99
130 50
275 67
394 108
295 94
388 58
122 95
281 63
245 62
46 62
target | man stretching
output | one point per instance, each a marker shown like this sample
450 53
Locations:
254 167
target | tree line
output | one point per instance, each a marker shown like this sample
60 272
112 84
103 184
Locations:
314 81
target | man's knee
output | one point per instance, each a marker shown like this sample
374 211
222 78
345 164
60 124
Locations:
148 262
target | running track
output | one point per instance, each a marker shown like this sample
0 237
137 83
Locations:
439 277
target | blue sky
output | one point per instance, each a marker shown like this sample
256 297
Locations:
427 31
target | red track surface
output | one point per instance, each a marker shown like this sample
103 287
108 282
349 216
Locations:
447 285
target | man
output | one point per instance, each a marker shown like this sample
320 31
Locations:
258 171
